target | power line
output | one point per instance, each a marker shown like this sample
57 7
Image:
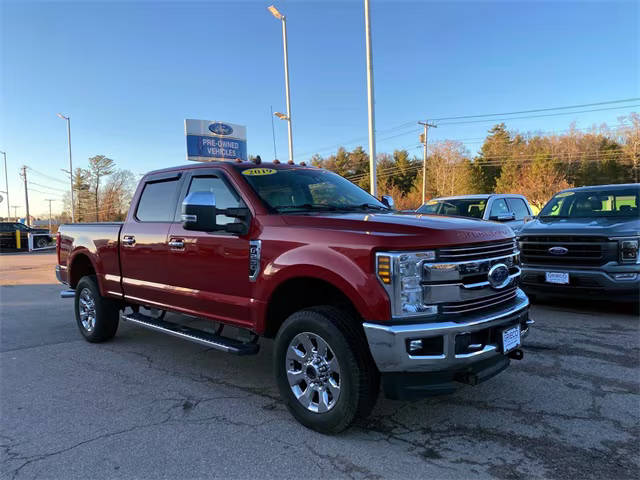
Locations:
536 110
47 176
495 160
538 116
409 123
46 186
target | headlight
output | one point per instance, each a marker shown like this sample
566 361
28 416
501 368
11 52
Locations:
628 249
401 276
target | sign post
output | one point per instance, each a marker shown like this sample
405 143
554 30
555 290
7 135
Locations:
208 141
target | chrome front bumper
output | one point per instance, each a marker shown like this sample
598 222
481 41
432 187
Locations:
388 343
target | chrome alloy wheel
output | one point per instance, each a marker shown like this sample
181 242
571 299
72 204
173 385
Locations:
87 307
313 372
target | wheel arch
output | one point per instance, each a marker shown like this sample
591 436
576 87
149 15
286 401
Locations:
297 293
80 266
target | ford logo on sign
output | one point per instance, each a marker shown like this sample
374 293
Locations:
221 128
498 275
558 250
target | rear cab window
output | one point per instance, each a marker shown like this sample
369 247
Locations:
158 201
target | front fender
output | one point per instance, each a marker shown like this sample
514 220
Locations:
332 266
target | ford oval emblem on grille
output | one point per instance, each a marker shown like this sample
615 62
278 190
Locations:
558 250
498 275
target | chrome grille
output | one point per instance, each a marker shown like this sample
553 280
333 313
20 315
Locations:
477 251
479 303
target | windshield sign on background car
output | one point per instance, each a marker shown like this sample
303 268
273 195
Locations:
468 207
590 203
299 190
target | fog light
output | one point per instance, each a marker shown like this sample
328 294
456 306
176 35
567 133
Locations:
625 276
415 345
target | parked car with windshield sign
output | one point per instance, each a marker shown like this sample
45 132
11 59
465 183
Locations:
512 210
584 243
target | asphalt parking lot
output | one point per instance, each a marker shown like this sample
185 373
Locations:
147 405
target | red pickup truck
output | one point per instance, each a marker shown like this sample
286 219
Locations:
354 294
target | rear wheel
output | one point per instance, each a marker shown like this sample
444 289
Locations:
42 242
97 317
324 370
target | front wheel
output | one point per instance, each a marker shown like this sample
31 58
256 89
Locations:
97 317
324 370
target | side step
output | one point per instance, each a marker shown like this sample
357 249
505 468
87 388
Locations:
211 340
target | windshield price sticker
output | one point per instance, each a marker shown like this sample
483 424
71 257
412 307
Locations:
259 171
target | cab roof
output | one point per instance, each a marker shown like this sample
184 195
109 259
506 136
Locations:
230 165
614 186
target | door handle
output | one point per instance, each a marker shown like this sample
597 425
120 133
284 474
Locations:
128 240
176 244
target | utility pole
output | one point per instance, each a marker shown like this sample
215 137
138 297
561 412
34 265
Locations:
423 140
6 183
49 200
370 102
15 211
26 193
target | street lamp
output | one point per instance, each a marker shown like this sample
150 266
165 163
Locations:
73 216
6 183
370 101
274 11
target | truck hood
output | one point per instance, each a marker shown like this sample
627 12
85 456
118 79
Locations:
408 231
607 227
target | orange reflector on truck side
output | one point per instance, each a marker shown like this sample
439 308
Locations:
384 268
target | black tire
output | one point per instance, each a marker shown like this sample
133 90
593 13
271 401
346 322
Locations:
106 312
359 377
42 242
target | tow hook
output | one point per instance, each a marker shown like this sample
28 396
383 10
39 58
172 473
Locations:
517 354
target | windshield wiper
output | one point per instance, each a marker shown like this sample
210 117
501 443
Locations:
308 206
365 206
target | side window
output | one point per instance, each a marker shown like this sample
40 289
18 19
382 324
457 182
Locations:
499 207
157 202
518 207
5 228
225 197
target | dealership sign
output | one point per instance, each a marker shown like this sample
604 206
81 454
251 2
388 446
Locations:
213 140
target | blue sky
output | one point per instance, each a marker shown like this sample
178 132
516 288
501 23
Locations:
129 73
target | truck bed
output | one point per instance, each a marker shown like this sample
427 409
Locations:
99 242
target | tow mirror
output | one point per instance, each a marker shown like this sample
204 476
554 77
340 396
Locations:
387 200
505 217
199 213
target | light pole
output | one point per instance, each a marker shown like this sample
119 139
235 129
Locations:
370 101
274 11
73 216
6 183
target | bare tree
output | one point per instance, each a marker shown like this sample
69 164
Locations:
100 166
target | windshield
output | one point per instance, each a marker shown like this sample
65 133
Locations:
300 190
587 204
462 207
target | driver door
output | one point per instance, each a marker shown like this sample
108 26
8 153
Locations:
209 271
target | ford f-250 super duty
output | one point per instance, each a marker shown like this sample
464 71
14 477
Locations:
353 293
